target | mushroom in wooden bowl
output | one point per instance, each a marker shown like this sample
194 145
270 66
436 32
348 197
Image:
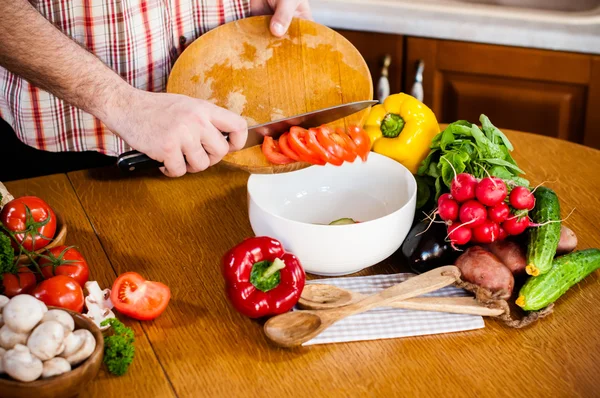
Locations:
46 351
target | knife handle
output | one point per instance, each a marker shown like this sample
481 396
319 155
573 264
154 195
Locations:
134 160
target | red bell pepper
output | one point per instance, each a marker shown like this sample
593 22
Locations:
261 279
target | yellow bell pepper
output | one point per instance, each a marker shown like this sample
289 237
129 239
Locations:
402 128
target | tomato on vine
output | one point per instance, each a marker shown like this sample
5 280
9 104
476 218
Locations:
30 222
64 260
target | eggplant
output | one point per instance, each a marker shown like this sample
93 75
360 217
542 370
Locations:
424 251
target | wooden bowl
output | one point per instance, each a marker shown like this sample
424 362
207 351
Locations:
60 237
68 384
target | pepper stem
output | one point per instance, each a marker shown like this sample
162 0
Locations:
276 266
392 125
265 275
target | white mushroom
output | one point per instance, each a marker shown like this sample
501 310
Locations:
46 340
89 344
10 338
55 366
72 342
1 320
6 196
2 352
21 365
98 304
62 317
23 312
3 301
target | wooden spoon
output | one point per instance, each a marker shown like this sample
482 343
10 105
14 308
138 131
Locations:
297 327
322 296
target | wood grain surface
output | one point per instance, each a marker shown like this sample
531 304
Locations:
266 78
176 230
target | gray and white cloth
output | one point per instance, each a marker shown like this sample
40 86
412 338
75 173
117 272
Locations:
387 322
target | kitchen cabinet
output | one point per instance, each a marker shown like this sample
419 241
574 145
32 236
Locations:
544 92
374 48
552 93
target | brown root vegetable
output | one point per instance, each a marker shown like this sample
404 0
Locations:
511 254
567 242
484 269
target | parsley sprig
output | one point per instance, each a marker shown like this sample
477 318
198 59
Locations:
118 347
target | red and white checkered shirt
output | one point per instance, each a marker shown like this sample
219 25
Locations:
139 39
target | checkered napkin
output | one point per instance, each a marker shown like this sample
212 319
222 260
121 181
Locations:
387 322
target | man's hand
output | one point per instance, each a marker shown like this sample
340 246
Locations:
283 11
168 127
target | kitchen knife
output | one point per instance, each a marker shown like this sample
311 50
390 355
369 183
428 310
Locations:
134 160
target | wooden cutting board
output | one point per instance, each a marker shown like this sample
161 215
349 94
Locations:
241 66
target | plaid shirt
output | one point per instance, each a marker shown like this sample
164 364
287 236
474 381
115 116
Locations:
139 39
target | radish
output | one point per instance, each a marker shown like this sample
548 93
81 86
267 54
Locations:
502 234
463 187
472 212
487 232
491 191
447 208
521 198
499 212
516 225
459 234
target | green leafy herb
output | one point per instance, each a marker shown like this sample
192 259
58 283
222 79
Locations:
118 347
464 147
7 254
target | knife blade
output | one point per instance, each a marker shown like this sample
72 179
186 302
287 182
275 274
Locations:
134 160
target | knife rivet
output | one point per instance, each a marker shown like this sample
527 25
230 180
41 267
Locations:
131 168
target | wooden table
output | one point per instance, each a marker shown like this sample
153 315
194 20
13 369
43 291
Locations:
176 230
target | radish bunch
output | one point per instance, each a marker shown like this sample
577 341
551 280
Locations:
483 211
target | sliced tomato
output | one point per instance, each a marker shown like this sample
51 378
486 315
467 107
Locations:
362 141
313 144
285 147
336 144
134 296
297 141
272 152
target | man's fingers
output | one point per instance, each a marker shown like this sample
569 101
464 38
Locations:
232 123
174 165
196 158
303 10
216 145
284 12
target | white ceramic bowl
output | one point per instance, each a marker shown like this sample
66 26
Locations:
380 193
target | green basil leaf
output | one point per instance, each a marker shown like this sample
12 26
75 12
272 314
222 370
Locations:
520 181
489 128
434 170
423 191
500 162
447 170
435 142
447 139
438 188
501 172
426 162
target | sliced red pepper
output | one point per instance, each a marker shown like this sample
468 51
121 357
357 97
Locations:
271 150
285 147
313 144
336 144
297 141
362 141
261 279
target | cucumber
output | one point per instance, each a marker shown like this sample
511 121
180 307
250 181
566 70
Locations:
543 240
343 221
540 291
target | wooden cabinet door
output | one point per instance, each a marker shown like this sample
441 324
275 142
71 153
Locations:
543 92
374 47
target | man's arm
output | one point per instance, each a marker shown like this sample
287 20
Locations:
164 126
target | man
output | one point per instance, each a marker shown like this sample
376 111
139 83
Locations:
83 75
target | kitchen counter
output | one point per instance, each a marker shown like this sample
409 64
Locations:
176 230
467 20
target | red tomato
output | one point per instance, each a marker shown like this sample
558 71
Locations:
297 140
362 141
60 291
313 144
285 147
67 261
21 283
34 230
271 150
337 144
134 296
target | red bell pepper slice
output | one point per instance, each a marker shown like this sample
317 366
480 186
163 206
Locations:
261 279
